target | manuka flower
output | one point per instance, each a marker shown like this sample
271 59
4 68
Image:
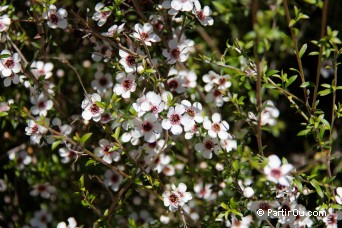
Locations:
39 69
148 127
112 179
125 86
177 197
90 109
56 18
176 52
216 128
41 105
203 15
105 151
101 14
276 172
174 119
36 131
5 22
145 34
208 146
10 64
102 82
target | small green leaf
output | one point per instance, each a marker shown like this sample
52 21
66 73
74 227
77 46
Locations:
3 56
271 72
85 137
101 104
55 144
324 92
302 50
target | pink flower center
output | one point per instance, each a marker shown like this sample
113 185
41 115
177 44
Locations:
331 220
222 81
200 15
175 53
152 145
173 198
130 60
53 18
191 112
175 119
264 206
215 127
127 84
105 14
276 173
209 145
35 129
147 126
154 109
9 63
105 117
94 109
2 26
144 35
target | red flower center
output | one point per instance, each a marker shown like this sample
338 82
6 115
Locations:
35 129
217 93
264 206
9 63
41 104
173 84
144 35
130 60
147 126
200 15
175 53
94 109
127 84
53 18
191 112
175 119
209 145
173 198
115 178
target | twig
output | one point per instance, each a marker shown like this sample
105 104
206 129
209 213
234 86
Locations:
319 64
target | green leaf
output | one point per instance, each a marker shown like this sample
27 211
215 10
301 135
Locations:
319 191
304 132
55 144
306 84
291 80
3 56
324 92
302 50
101 104
85 137
2 114
271 72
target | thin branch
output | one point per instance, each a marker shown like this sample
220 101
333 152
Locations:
319 64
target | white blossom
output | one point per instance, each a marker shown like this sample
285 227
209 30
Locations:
56 18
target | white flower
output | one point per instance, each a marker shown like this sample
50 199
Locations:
39 69
22 158
177 197
40 219
189 78
56 18
203 15
102 82
67 154
151 102
41 105
243 223
174 119
112 179
338 196
45 190
276 172
217 128
177 52
209 79
90 109
101 14
5 22
126 84
331 219
10 64
248 192
228 144
149 127
102 51
36 131
204 191
13 78
216 95
3 185
182 5
71 223
190 131
114 30
145 34
208 146
157 21
193 113
129 62
268 115
176 84
105 151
